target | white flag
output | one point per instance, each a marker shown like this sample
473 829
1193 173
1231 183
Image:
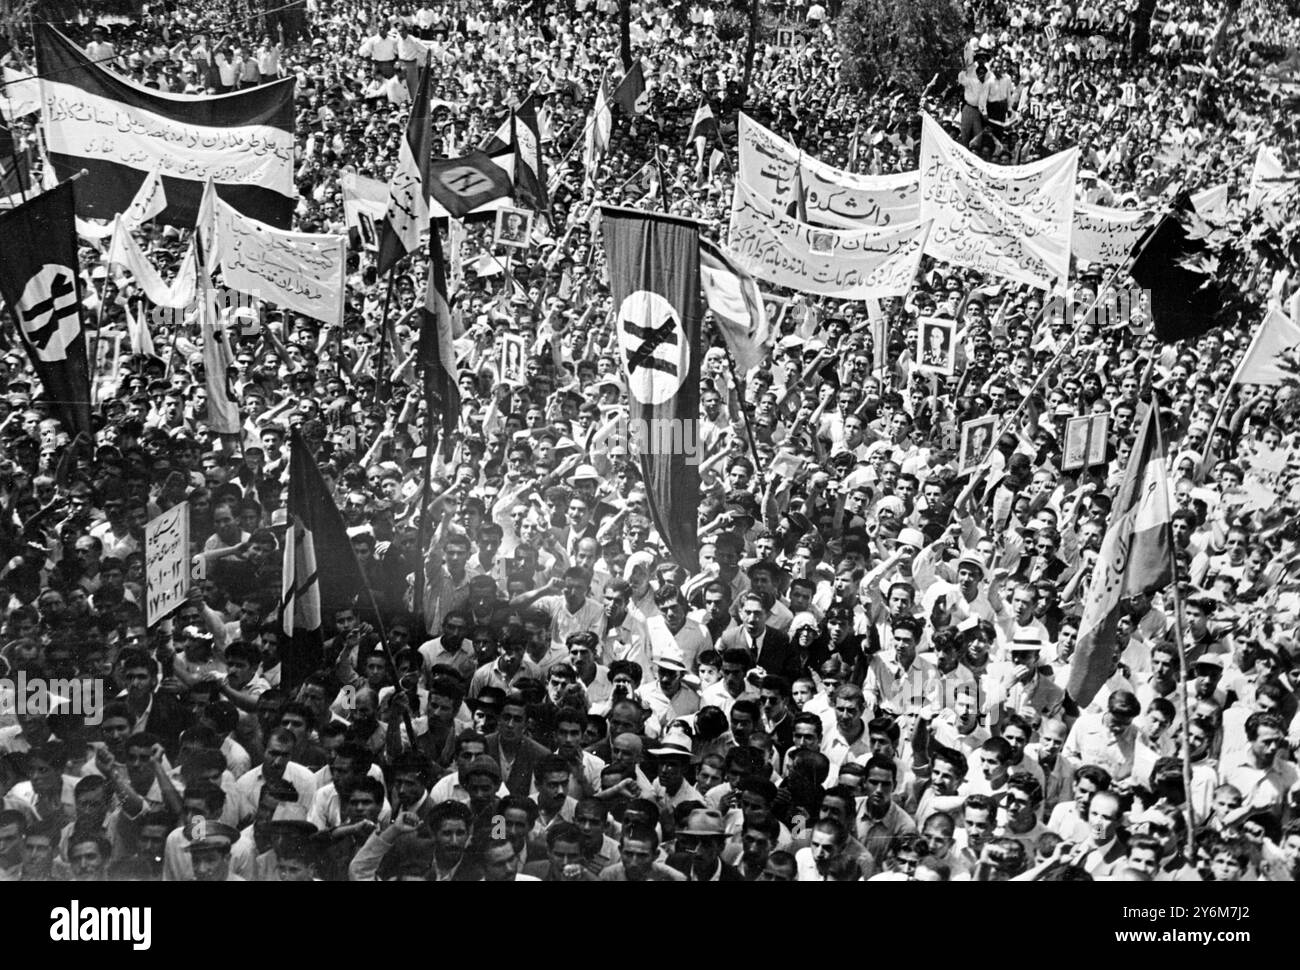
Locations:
1268 180
150 199
1272 357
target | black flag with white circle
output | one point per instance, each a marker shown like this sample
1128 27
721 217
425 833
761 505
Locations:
654 272
41 288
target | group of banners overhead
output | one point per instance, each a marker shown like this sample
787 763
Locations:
833 197
120 131
850 264
1012 221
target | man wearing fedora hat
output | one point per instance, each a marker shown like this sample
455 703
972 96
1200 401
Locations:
700 843
668 695
673 757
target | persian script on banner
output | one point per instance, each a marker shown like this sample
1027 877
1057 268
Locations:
1106 236
854 264
1012 221
119 130
833 197
166 562
298 270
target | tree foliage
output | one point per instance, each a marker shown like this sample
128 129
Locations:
902 43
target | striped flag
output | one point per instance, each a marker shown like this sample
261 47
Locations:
408 190
1136 555
597 136
704 125
737 306
223 412
530 166
520 135
799 207
246 136
437 355
320 572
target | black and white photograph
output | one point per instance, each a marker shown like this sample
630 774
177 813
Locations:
1086 439
513 228
976 443
822 243
936 345
582 518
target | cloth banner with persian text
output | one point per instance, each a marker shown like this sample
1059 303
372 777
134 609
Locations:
832 196
851 264
1012 221
298 270
1106 236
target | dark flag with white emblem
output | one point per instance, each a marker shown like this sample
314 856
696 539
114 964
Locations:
40 286
461 185
320 573
654 271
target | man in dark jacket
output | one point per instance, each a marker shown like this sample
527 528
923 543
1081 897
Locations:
518 755
699 844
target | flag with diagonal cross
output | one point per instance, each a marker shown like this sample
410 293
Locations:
654 271
40 286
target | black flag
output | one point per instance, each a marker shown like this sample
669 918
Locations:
631 91
654 271
1184 303
39 283
320 574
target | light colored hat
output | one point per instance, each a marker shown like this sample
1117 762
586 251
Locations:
705 822
675 744
912 537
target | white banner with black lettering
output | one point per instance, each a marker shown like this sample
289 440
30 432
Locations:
1013 221
832 196
851 264
1106 236
297 270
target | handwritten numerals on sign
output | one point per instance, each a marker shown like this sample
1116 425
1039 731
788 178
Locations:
167 567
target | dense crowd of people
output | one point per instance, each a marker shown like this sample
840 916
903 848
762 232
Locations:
866 677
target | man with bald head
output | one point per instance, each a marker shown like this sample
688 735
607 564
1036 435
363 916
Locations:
1102 855
1058 770
587 554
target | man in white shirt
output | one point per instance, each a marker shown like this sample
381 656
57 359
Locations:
381 50
276 765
